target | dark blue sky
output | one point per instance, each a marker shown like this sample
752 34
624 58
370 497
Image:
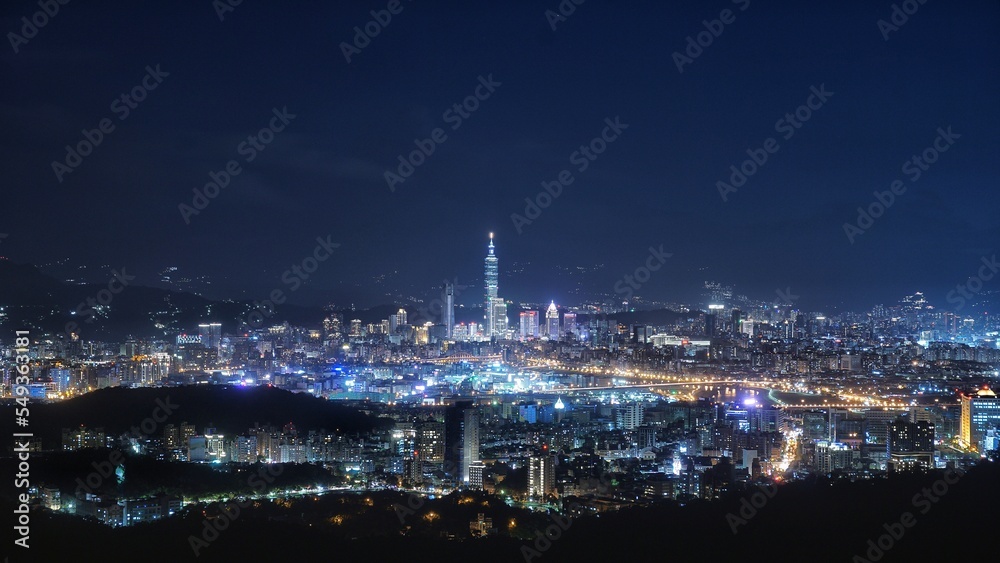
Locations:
655 184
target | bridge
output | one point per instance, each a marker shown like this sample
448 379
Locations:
465 358
790 406
671 384
753 384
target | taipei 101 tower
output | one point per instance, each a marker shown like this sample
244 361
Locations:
496 308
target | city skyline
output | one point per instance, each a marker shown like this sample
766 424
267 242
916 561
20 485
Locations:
558 280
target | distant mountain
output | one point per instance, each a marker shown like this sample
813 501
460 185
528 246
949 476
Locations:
24 284
34 300
654 317
231 410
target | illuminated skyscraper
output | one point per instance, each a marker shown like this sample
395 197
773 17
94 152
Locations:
833 455
552 322
470 443
432 442
396 321
449 310
211 335
496 307
629 416
499 329
492 272
541 476
980 412
529 325
569 323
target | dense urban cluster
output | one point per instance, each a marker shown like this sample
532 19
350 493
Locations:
569 409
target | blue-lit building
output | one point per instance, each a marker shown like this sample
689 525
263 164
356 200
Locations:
980 413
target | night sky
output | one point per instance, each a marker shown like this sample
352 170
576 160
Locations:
655 184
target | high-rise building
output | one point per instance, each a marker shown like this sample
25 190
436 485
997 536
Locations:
461 428
476 475
642 334
980 413
552 322
815 426
171 437
449 310
61 378
646 437
910 445
246 449
569 324
492 276
215 445
876 432
355 327
629 416
333 325
211 335
432 441
833 455
499 328
541 476
529 325
405 441
470 443
397 321
82 438
710 324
